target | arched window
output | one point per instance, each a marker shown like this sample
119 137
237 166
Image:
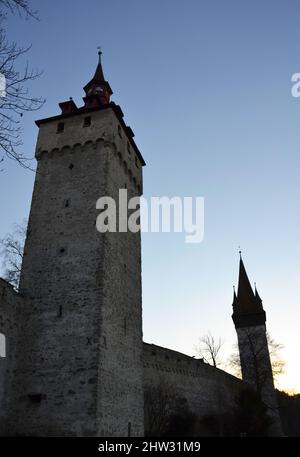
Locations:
2 345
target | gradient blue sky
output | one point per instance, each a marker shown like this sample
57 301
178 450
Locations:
206 87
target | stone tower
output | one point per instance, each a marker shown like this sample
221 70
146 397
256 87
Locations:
80 347
249 319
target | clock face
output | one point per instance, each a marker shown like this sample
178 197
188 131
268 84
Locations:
98 89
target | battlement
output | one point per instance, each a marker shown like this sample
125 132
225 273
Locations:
170 361
207 390
77 141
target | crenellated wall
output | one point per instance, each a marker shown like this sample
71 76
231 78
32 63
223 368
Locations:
208 390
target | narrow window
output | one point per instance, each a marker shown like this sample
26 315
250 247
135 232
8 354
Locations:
136 163
119 131
2 345
60 127
62 250
87 121
71 166
36 398
60 311
67 203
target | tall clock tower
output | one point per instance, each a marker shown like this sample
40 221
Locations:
80 349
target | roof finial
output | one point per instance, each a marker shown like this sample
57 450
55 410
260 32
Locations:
240 252
234 297
234 291
99 53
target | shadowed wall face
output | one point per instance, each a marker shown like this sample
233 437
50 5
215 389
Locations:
10 303
171 376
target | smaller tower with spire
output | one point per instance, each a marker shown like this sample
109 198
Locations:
249 319
98 90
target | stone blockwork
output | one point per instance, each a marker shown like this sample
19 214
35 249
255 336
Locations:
257 370
208 390
79 370
10 304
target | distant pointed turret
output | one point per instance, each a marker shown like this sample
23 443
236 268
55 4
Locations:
247 309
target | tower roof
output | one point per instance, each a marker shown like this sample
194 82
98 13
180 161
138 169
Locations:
245 295
98 85
98 92
99 76
247 305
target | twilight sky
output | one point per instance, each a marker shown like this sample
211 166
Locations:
206 87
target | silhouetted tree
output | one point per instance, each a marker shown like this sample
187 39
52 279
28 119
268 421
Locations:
289 408
182 420
258 348
209 349
15 98
19 6
158 402
166 412
251 415
11 251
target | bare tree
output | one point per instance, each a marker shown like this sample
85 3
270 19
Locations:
209 349
15 98
166 412
258 349
158 406
11 251
19 6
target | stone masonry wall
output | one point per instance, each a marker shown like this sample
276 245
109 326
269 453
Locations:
80 351
257 370
208 390
10 304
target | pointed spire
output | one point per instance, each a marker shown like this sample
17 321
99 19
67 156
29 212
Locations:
98 90
99 75
247 305
245 292
234 302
